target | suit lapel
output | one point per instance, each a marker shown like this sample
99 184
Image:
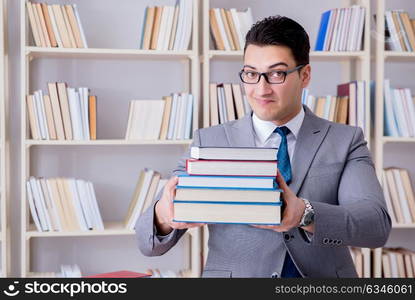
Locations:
311 135
241 132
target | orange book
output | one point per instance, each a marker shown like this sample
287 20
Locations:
166 117
32 118
60 24
68 27
74 26
93 117
156 27
233 30
227 28
149 27
119 274
64 104
214 27
39 26
33 25
49 117
49 27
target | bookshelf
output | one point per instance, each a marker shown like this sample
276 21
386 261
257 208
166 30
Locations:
4 226
346 65
385 146
35 153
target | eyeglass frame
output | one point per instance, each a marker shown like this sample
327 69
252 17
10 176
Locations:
265 74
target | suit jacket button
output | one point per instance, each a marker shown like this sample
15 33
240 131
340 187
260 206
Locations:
325 241
287 237
274 275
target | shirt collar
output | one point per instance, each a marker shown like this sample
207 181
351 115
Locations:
264 129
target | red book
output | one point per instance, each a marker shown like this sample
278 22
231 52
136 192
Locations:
251 168
119 274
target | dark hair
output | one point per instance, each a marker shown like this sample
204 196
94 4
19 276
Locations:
281 31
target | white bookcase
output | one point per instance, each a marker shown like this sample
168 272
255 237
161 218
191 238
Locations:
399 145
353 65
4 227
30 55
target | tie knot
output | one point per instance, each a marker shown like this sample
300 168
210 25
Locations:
282 131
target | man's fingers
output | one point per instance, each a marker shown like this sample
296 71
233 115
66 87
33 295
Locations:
281 182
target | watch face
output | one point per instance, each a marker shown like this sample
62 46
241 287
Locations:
308 218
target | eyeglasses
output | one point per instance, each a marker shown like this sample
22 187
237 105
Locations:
272 77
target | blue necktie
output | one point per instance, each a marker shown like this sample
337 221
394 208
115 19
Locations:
284 166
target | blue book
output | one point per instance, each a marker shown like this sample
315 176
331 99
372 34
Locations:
189 114
325 17
143 28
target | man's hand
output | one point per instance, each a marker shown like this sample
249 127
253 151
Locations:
164 211
293 211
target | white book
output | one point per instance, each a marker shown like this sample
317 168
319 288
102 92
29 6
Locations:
32 99
84 101
161 185
58 220
85 203
361 29
40 208
43 204
81 29
389 114
221 27
163 28
407 115
388 199
41 115
394 38
169 26
75 113
182 116
238 27
366 262
188 25
361 105
223 103
173 116
156 109
189 117
177 116
98 218
346 29
411 107
55 27
140 117
340 36
354 21
50 206
400 113
332 46
403 31
402 197
77 204
394 264
130 120
180 25
330 28
30 199
142 196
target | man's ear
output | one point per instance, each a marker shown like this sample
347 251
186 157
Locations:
305 75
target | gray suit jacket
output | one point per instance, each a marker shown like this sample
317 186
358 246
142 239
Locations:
332 168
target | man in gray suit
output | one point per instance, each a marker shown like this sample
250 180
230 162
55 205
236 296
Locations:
332 198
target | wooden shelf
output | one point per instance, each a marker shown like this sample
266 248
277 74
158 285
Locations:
38 52
399 55
402 226
313 54
393 139
114 142
111 228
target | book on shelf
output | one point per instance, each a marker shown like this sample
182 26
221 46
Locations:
167 27
119 274
399 195
231 167
64 114
399 115
63 204
341 29
228 27
398 263
167 119
233 153
226 182
227 102
362 259
399 31
54 25
347 107
148 186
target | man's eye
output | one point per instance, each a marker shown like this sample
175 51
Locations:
276 74
251 74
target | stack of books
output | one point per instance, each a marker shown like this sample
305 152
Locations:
167 27
227 103
341 29
56 25
228 27
348 107
399 111
398 263
64 114
399 31
399 195
148 186
361 259
229 185
66 271
63 204
167 119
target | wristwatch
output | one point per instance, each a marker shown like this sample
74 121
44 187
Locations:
308 216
